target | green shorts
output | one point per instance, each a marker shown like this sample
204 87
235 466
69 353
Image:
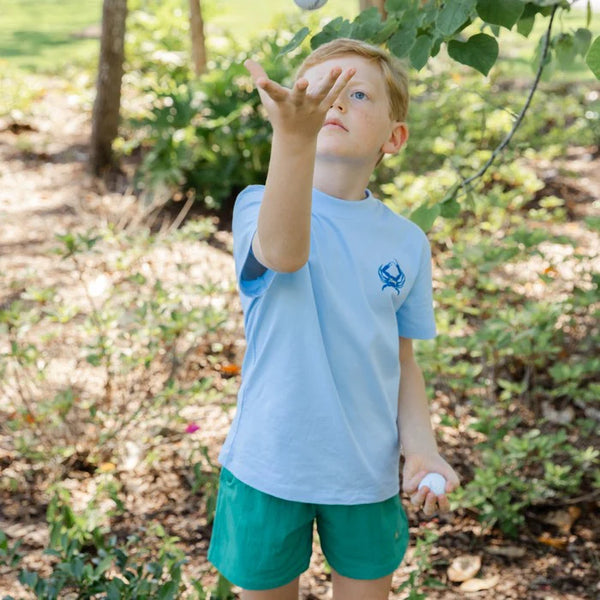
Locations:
261 542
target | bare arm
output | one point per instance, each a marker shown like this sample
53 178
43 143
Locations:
282 240
420 450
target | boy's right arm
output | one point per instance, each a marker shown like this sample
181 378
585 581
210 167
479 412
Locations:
282 239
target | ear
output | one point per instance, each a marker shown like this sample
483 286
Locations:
398 137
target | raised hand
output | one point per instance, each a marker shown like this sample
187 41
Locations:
301 110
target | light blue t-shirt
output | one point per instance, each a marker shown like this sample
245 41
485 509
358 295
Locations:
316 419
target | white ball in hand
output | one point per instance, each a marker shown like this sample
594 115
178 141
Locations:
310 4
435 482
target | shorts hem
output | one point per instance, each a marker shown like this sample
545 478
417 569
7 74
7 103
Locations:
366 573
264 584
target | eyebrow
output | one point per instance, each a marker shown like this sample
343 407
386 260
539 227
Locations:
360 82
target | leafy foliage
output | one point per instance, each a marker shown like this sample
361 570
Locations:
91 563
134 323
515 339
425 26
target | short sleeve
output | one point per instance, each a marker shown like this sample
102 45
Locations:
415 317
253 278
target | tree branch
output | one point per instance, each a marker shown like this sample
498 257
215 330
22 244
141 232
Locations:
511 133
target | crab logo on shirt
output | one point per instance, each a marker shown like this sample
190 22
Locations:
392 276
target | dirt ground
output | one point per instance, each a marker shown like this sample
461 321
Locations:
45 189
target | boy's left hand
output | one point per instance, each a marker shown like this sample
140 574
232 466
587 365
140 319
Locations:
416 466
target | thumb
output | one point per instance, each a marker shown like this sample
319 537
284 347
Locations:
412 480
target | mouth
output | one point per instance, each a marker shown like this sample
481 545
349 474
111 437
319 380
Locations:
334 123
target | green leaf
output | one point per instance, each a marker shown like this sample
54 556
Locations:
367 25
565 49
397 6
527 20
389 28
479 51
425 216
436 47
113 591
167 590
94 359
449 206
427 15
419 53
337 28
495 29
450 209
298 38
593 57
505 13
28 578
404 38
582 38
453 15
525 25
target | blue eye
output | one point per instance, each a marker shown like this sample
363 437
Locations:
359 95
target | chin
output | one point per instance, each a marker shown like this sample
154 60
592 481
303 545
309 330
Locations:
345 156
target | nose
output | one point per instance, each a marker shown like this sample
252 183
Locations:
339 104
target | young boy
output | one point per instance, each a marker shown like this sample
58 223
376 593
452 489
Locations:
334 287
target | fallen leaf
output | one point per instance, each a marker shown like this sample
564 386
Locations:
106 467
560 417
563 519
230 369
558 543
464 567
508 551
476 585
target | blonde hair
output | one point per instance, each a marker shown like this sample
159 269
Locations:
393 71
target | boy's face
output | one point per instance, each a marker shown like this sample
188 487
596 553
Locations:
358 127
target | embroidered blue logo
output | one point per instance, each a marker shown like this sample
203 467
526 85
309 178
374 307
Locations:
392 276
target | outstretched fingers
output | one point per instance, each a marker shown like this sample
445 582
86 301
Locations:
276 92
327 89
337 84
299 91
262 82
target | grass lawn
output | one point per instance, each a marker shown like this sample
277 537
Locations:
244 18
43 35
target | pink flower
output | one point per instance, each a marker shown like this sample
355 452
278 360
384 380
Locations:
192 427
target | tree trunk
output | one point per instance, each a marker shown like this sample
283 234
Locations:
105 117
198 39
364 4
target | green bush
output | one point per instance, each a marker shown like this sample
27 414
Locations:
91 563
206 134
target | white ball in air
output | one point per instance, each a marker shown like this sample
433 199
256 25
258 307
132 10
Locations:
310 4
435 482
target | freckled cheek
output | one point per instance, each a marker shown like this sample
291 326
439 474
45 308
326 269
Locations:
374 126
